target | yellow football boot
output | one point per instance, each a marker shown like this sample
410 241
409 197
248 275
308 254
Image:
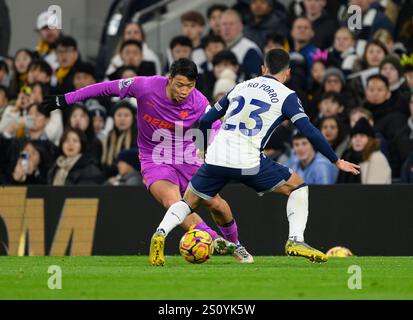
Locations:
156 251
302 249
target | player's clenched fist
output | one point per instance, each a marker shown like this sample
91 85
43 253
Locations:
51 103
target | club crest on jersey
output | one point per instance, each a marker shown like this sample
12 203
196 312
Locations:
184 114
124 83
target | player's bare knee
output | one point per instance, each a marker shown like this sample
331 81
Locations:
168 202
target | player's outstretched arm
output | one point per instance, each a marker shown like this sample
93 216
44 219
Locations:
113 88
321 145
293 110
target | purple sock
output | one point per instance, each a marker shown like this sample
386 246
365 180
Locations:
204 227
230 232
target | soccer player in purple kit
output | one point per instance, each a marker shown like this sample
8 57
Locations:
167 106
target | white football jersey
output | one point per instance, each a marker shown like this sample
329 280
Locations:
255 109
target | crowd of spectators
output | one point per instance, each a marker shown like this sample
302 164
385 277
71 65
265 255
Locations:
355 85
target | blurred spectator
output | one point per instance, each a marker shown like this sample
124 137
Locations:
39 71
4 99
74 166
98 114
391 68
4 73
83 75
333 81
212 44
387 39
335 133
343 53
179 47
247 52
134 31
214 13
317 75
128 167
21 62
330 104
368 65
309 164
37 119
13 119
365 151
225 59
54 128
373 20
225 83
33 129
131 55
31 165
193 27
323 26
122 136
68 57
46 47
402 144
79 118
264 21
356 114
302 33
387 114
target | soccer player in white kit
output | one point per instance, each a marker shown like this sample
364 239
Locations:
253 109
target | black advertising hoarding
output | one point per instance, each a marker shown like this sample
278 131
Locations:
41 220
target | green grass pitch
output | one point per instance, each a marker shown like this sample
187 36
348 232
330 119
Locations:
129 277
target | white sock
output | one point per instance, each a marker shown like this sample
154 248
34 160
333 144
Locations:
297 213
174 216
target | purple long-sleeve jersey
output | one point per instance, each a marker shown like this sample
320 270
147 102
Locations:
162 123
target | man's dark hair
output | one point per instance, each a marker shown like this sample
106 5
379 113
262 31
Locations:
39 109
276 38
5 90
298 136
227 56
130 42
212 38
381 78
4 66
67 42
333 96
42 65
193 16
85 67
277 60
180 40
184 67
215 7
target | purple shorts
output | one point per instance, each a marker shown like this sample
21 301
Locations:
179 174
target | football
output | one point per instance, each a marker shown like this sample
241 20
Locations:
340 252
196 246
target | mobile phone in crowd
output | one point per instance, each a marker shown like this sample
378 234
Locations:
29 120
24 161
